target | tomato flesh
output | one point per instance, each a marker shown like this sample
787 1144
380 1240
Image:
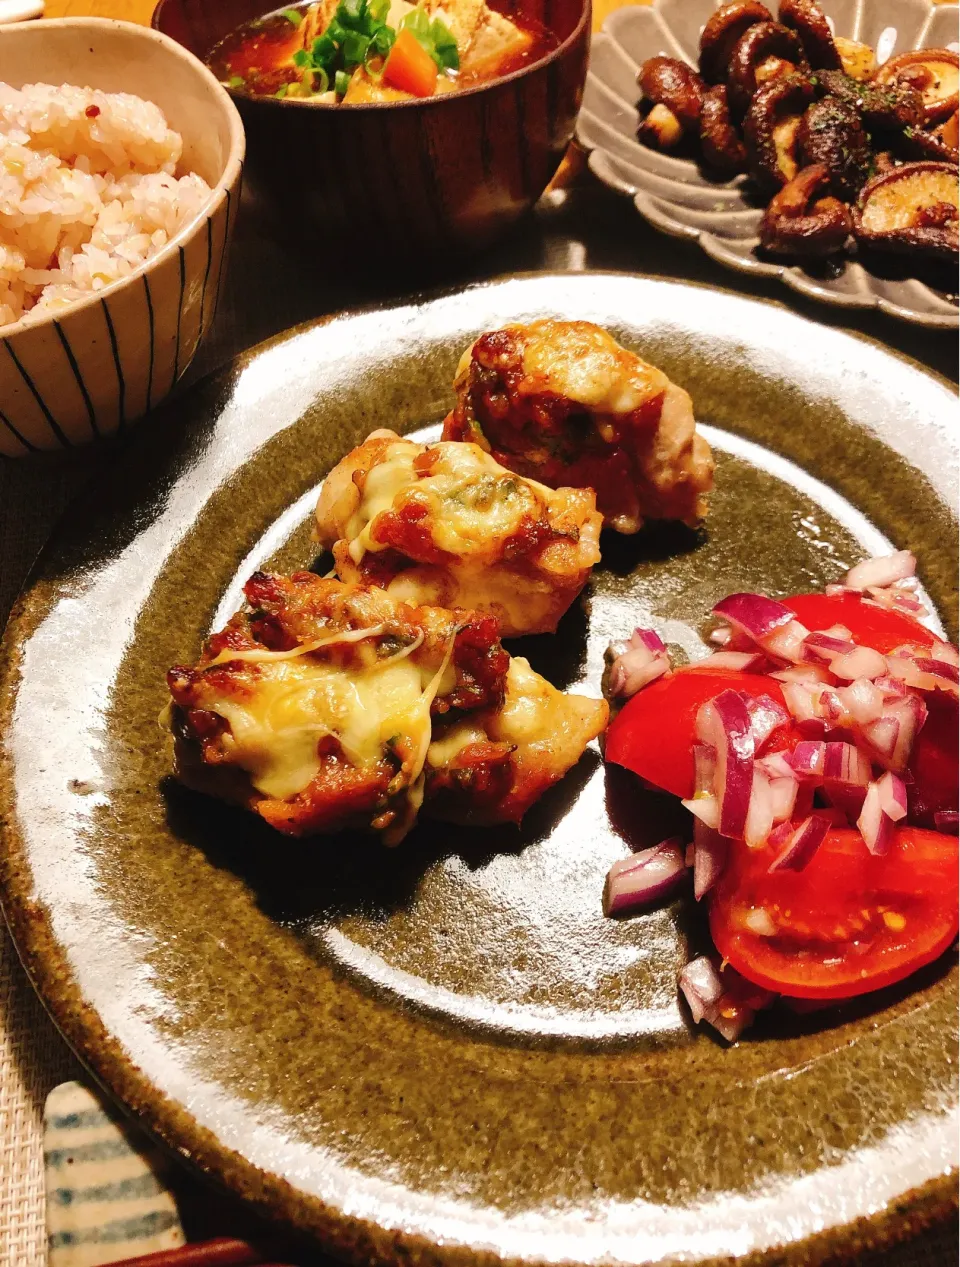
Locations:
654 733
871 625
848 923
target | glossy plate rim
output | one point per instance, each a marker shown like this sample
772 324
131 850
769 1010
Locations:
47 963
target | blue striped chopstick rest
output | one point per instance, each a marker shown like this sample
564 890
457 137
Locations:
106 1195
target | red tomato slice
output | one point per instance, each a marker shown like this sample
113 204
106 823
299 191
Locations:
935 762
653 735
871 626
848 923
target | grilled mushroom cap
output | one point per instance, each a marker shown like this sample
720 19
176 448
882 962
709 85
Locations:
808 20
911 210
934 73
770 130
765 51
676 91
831 133
883 107
800 223
722 32
720 142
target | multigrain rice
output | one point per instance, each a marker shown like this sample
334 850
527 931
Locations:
88 191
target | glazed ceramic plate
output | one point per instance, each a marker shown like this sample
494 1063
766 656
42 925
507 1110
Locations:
444 1053
674 196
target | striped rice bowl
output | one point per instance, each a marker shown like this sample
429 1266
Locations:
88 192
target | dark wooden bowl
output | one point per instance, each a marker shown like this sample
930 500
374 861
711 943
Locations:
436 177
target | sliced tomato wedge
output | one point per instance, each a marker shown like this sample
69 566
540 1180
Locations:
871 625
935 762
654 733
847 924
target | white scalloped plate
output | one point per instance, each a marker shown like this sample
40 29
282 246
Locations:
672 194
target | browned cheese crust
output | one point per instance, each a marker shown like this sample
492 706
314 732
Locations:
561 402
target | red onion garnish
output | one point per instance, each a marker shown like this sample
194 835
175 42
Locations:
807 759
787 641
724 724
741 661
802 845
759 812
822 646
704 769
637 663
881 571
862 662
709 858
944 651
753 614
892 792
644 878
702 988
875 826
766 715
845 765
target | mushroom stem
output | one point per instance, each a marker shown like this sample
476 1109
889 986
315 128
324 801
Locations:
798 223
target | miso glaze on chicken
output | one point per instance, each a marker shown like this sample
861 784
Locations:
326 706
445 524
562 403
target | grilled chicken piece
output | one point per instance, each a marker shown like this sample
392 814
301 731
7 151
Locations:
446 525
327 706
562 403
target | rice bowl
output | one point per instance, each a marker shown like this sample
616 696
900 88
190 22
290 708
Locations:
118 197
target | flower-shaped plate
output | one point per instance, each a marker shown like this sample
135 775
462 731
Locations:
672 193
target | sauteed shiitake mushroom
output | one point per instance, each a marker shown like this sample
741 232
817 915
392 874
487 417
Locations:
845 150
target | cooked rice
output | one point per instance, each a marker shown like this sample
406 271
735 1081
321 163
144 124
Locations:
88 191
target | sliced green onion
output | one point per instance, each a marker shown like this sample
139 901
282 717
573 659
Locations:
341 82
236 81
292 15
281 91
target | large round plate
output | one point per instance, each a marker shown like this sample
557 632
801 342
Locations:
443 1052
674 196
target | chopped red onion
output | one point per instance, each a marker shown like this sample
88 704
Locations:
648 638
863 700
709 858
777 765
892 792
875 826
766 715
807 759
845 764
753 614
640 662
896 600
803 701
911 713
741 661
705 809
702 988
787 641
947 820
644 878
759 812
724 723
720 636
830 705
944 651
806 674
881 571
882 735
863 662
704 770
834 591
802 845
938 675
780 833
891 687
823 647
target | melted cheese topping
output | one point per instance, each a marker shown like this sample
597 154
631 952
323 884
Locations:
529 709
581 362
470 498
294 703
